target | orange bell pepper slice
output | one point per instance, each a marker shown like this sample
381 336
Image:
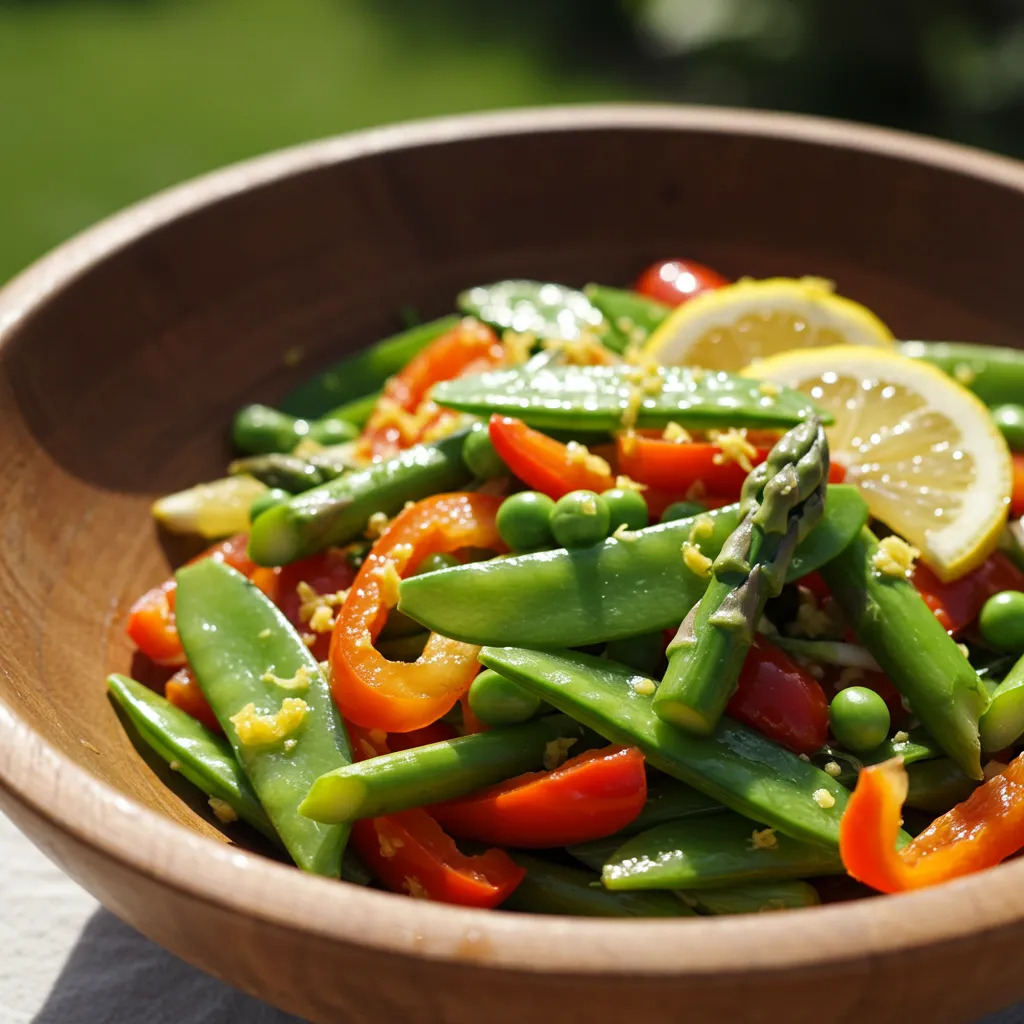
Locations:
182 690
979 833
400 696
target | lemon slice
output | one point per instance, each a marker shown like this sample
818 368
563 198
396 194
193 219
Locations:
729 328
923 450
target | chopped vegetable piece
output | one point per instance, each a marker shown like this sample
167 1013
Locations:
580 519
524 521
630 316
496 700
957 604
674 282
859 718
260 430
995 375
541 309
1002 724
210 510
184 693
626 507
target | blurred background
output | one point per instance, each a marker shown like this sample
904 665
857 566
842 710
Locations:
105 101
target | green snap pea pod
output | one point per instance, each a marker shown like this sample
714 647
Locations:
936 786
1009 419
550 888
603 398
783 500
197 753
735 765
1002 724
353 378
632 316
437 771
287 472
532 307
994 374
669 800
918 746
271 699
644 653
892 621
262 430
615 589
336 512
713 852
496 700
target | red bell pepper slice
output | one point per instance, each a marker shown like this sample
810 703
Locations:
1017 495
545 464
400 696
979 833
958 603
183 691
329 573
590 796
410 852
780 699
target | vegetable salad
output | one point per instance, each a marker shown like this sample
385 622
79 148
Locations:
693 598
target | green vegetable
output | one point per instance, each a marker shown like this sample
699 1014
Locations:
644 653
918 746
713 852
782 501
435 563
630 316
859 718
261 430
1002 621
599 397
524 521
356 376
579 519
198 754
239 645
358 411
1010 421
496 700
337 511
550 888
616 589
479 455
626 507
1011 542
403 646
995 375
735 765
668 800
682 510
893 622
936 786
1002 724
435 772
268 499
532 307
286 472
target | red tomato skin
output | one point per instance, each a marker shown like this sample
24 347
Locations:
677 281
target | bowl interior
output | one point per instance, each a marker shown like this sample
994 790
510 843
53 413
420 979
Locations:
123 358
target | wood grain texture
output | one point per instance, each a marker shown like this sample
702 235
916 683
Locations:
122 356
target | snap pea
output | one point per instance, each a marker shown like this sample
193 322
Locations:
496 700
284 472
197 753
435 772
262 430
669 799
336 512
241 647
994 374
918 746
936 786
1003 722
600 397
619 588
268 499
631 315
550 888
713 852
893 622
735 765
532 307
354 377
1010 421
682 510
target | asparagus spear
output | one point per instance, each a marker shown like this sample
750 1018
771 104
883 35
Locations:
782 500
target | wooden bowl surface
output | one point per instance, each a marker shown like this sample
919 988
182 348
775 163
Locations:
122 356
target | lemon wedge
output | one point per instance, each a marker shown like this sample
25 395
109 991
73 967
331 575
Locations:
729 328
923 450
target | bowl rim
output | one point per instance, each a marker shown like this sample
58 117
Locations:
49 785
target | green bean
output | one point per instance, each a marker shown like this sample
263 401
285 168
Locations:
631 315
268 499
599 398
261 430
936 786
496 700
197 753
285 472
532 307
995 375
354 377
550 888
711 853
893 622
619 588
1002 724
735 765
271 699
437 771
337 511
1010 421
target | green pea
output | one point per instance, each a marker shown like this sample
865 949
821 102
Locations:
479 455
580 519
645 653
268 499
626 507
682 510
1002 621
330 431
1010 420
859 718
524 521
432 563
496 700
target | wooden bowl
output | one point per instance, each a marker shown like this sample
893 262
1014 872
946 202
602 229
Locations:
122 356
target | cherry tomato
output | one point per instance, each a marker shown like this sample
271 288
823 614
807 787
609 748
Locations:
675 281
957 604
